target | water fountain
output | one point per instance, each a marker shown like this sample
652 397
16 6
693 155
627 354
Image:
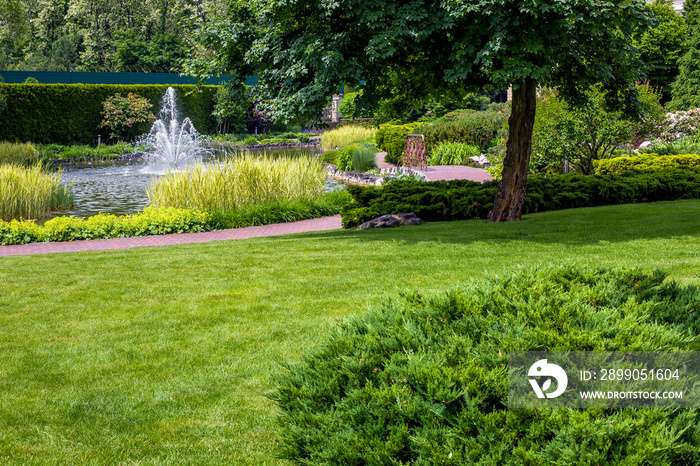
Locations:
175 142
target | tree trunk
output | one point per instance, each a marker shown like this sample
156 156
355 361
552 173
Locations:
511 190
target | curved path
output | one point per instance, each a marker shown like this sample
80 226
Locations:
444 172
316 224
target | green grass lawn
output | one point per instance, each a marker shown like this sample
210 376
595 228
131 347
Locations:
165 355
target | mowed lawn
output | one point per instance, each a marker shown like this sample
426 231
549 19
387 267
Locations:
166 355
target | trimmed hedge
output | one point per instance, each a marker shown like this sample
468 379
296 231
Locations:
70 113
392 139
424 379
464 200
645 163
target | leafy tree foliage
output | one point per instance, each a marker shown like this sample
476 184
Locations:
302 50
661 46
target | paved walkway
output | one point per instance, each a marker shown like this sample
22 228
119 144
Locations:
317 224
444 172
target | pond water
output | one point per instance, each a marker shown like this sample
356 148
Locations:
121 188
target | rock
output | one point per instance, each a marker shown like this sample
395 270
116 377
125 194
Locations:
392 220
481 161
645 144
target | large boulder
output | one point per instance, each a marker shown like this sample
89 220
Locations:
392 220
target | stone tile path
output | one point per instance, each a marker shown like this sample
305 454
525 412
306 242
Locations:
317 224
444 172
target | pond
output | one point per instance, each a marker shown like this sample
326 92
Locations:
121 188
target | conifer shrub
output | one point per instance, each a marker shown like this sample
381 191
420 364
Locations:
645 163
422 379
465 200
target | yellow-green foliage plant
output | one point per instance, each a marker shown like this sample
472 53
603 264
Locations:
23 154
240 182
31 193
646 163
345 135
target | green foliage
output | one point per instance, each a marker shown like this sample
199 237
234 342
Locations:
330 156
589 133
20 154
392 140
345 135
661 46
49 152
645 163
463 200
251 141
304 137
686 87
239 182
348 106
31 80
126 117
363 158
69 113
343 158
162 52
231 110
282 211
452 153
31 193
468 127
685 146
423 379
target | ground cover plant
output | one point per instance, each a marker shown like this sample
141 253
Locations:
239 182
83 153
424 379
151 355
31 192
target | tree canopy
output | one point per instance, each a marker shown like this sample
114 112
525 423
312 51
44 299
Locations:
303 50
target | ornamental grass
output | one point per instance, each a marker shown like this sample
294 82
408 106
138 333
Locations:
239 182
341 137
31 193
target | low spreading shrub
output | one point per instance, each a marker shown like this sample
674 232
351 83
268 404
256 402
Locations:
452 153
423 379
239 182
32 192
473 128
645 163
684 146
346 135
392 140
48 152
463 199
20 154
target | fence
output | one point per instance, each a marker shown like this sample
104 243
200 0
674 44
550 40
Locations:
87 77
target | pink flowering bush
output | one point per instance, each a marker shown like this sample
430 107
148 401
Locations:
126 116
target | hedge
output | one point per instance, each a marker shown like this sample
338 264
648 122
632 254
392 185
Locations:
645 163
423 379
464 200
70 113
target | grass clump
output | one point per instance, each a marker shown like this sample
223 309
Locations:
345 135
21 154
31 193
452 153
423 379
239 182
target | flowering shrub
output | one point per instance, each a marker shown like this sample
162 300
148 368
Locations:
681 124
126 116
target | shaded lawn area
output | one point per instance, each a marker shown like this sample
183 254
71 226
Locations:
165 355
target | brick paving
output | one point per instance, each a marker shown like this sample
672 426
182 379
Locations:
317 224
444 172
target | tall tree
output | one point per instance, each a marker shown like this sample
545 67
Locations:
302 50
686 87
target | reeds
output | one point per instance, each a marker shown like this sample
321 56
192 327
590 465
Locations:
23 154
31 193
239 182
341 137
